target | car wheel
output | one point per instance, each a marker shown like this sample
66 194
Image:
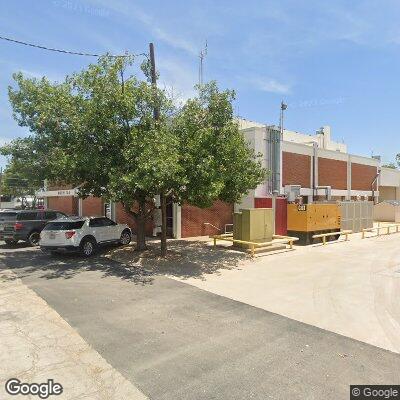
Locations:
34 238
126 237
88 247
10 242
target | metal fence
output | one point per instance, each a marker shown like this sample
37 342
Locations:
356 215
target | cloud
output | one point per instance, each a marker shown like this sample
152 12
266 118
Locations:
271 85
177 78
163 35
266 84
132 11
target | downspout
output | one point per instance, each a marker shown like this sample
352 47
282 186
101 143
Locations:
373 184
315 166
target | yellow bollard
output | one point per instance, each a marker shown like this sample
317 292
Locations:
215 242
363 234
388 229
291 244
252 250
324 240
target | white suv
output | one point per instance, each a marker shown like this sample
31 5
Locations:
82 234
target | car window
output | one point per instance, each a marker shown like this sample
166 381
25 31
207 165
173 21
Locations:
98 222
50 215
8 216
95 222
60 215
27 216
63 225
108 222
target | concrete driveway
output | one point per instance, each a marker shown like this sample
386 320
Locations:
351 288
175 341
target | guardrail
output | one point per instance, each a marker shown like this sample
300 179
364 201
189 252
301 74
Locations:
276 239
346 233
378 229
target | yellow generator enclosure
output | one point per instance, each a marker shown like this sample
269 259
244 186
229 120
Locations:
313 217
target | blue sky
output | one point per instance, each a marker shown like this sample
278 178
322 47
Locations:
335 63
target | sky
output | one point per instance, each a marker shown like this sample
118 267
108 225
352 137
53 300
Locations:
334 63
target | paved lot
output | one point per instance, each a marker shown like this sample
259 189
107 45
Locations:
351 288
37 344
175 341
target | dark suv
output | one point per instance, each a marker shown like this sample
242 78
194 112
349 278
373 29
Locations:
25 225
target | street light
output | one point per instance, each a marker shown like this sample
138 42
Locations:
283 108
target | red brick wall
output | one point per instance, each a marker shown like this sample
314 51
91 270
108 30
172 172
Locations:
362 176
66 204
296 169
193 219
92 206
122 217
332 173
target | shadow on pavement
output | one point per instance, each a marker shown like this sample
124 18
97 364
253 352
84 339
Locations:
27 261
186 259
19 245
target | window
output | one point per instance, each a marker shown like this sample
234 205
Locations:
27 216
63 226
8 216
108 222
50 215
99 222
95 222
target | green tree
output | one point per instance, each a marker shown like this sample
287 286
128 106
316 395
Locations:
216 161
24 174
391 165
96 131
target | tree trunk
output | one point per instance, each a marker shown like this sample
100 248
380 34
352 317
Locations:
140 219
141 226
163 201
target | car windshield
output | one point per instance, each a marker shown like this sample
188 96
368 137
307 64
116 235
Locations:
7 216
63 225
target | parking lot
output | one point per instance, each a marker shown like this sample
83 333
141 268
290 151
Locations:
225 332
350 288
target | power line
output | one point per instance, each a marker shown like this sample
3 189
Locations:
76 53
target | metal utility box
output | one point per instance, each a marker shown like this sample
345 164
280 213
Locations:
253 225
305 220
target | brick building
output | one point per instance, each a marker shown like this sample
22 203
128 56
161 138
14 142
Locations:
306 160
312 161
183 221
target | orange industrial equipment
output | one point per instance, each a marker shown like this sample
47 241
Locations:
305 220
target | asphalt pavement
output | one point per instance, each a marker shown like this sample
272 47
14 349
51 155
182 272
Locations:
176 341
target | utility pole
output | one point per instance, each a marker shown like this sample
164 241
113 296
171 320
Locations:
202 55
156 112
156 115
276 182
